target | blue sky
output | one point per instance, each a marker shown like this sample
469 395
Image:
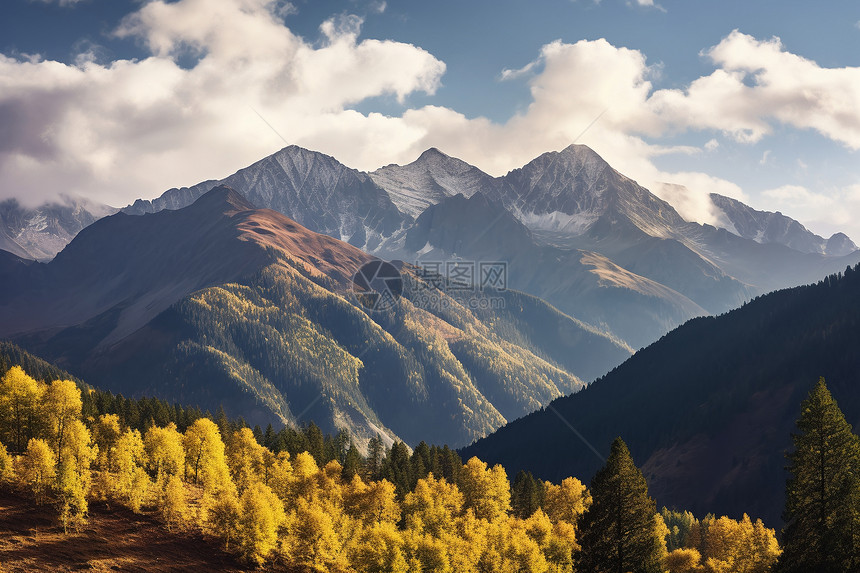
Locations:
115 99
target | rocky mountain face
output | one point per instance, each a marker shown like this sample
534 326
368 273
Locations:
41 233
580 283
768 227
708 410
223 303
573 201
313 189
430 179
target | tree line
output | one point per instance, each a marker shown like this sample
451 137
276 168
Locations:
392 509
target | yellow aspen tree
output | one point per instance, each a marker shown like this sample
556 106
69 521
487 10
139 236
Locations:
685 560
7 468
72 498
173 504
561 546
311 539
205 458
165 453
245 458
538 527
303 479
261 514
132 484
766 548
566 501
433 506
20 398
220 513
329 486
106 431
426 552
40 468
511 549
79 452
268 467
281 478
374 502
486 490
74 478
61 404
379 549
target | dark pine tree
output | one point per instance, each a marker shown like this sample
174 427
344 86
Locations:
619 533
397 469
375 457
822 495
315 443
526 494
351 463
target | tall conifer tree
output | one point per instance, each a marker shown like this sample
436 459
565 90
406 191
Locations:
619 531
823 491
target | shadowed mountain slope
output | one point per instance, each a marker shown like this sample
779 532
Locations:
708 410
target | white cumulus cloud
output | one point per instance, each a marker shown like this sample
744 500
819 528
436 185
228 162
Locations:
133 128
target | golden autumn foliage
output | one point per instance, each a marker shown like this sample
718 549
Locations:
20 402
39 468
7 466
486 490
173 504
269 506
718 545
165 454
131 483
261 514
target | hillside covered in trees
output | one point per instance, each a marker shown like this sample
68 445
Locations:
221 303
708 409
393 510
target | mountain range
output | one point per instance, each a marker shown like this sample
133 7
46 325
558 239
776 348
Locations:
40 233
572 230
223 303
238 290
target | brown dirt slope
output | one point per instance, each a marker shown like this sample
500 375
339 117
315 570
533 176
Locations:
117 540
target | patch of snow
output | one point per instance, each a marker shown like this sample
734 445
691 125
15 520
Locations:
575 224
425 249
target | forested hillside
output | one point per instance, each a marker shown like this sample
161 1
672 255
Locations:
709 408
242 307
391 511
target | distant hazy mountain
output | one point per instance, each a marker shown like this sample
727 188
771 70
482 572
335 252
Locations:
311 188
575 201
581 283
42 232
708 410
767 227
222 303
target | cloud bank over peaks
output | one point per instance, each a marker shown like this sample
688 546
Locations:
115 131
132 128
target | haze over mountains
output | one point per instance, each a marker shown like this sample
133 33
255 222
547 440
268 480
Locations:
41 233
